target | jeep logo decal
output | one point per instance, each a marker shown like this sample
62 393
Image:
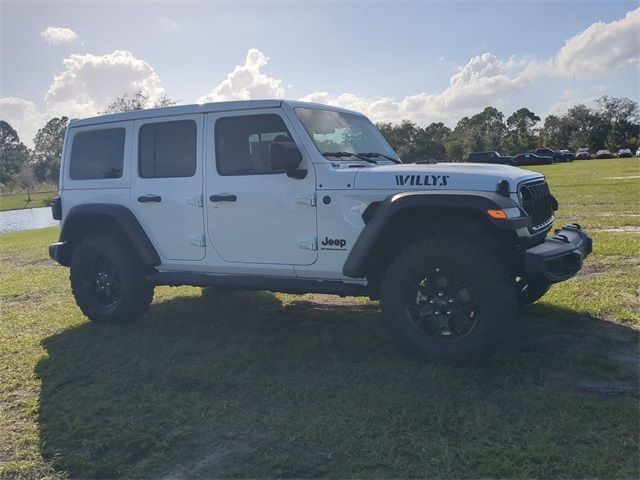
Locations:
422 180
333 244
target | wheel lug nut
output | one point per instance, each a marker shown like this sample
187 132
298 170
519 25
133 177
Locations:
441 294
437 312
449 312
450 300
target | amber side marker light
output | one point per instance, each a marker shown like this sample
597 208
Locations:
497 214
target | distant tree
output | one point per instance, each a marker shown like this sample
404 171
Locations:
614 123
556 131
401 137
481 132
138 100
436 136
619 118
520 135
47 150
412 142
13 153
586 128
25 179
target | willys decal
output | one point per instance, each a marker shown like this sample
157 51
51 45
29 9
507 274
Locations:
422 180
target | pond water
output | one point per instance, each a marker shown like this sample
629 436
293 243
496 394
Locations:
27 219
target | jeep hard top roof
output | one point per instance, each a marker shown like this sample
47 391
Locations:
199 108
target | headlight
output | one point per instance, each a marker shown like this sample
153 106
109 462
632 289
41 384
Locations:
513 212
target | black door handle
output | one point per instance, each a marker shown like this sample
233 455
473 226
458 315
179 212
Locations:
150 199
223 198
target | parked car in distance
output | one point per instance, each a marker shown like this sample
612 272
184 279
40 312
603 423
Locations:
489 157
568 155
583 154
549 152
625 153
530 159
604 153
638 152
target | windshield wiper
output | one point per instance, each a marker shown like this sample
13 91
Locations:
376 154
348 154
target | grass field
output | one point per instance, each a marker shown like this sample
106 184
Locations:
19 201
237 384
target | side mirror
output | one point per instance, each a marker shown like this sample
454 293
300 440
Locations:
286 156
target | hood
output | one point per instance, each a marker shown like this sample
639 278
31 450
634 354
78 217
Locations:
441 176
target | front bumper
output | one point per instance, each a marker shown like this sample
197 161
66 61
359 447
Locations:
58 252
560 257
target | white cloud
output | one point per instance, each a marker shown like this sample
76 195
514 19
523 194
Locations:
58 35
602 47
23 116
484 80
90 82
87 84
567 101
247 82
167 23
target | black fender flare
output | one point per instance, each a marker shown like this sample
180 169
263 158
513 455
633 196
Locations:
478 202
122 216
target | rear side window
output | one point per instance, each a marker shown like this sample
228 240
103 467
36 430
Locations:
242 143
167 149
97 154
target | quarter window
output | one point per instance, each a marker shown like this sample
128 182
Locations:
167 149
97 154
242 143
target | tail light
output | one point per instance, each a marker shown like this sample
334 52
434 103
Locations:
56 208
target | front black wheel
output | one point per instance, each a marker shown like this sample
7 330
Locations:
447 299
108 280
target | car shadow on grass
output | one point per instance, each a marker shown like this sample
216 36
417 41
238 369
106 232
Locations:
240 384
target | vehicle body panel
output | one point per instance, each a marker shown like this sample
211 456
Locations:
277 226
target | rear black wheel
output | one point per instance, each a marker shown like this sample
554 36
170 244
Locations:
108 280
447 299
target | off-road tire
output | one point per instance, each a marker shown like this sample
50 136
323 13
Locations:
494 296
134 294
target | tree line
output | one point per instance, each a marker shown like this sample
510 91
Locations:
612 123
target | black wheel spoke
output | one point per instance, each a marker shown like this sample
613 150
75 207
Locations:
442 306
102 281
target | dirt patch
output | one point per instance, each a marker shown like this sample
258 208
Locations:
625 229
580 341
332 302
591 269
609 214
629 177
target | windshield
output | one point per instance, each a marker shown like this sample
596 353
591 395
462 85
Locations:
333 131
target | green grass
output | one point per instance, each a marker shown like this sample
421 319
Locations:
236 384
19 201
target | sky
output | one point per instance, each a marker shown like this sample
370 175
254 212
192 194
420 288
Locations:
424 61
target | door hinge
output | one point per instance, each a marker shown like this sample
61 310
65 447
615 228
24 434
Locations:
308 243
197 240
304 199
196 201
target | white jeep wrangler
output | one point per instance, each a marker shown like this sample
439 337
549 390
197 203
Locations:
297 197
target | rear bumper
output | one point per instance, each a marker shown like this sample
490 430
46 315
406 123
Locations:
560 257
57 252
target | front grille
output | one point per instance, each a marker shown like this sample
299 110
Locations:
538 203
